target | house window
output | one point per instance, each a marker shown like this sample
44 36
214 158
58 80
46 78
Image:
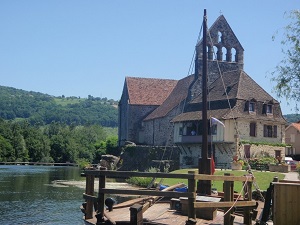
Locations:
180 130
269 109
251 107
253 129
270 131
214 129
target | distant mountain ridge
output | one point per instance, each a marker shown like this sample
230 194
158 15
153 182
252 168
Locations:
42 109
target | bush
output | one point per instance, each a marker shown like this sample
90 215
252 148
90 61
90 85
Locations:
264 161
142 181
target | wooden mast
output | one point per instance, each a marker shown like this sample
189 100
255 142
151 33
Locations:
204 166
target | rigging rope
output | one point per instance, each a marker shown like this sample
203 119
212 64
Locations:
233 117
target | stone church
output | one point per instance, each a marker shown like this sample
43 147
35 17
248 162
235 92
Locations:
164 112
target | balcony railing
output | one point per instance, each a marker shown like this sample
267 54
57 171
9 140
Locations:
193 139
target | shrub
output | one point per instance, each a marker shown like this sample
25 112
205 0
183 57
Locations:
142 181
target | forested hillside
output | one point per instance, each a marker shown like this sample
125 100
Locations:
38 127
292 118
43 109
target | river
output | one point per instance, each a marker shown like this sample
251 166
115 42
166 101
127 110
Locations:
31 195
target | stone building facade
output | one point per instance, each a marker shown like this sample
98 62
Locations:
167 113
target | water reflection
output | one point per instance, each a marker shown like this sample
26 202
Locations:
27 196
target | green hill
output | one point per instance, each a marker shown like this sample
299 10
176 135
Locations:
42 109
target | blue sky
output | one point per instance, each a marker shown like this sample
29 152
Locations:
87 47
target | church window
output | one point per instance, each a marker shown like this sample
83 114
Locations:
215 52
233 54
224 53
219 37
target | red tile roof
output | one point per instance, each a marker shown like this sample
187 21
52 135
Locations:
178 94
148 91
296 125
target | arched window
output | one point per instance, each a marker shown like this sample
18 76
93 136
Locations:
224 53
219 37
233 55
215 52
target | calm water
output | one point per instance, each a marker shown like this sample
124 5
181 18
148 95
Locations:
28 196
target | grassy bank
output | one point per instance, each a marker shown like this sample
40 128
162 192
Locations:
263 179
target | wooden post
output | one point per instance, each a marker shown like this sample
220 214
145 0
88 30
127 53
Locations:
191 208
248 197
136 214
228 197
101 198
89 189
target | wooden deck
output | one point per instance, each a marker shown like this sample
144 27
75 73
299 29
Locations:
160 213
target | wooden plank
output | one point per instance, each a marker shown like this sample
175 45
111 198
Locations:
132 202
248 196
90 197
171 194
228 196
289 181
223 204
101 199
89 190
224 178
126 174
191 188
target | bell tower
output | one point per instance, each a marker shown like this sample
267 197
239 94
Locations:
223 50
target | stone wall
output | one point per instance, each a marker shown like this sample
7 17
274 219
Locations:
160 132
142 158
257 151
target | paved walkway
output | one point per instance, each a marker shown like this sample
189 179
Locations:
292 176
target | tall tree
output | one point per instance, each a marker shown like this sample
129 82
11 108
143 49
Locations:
287 72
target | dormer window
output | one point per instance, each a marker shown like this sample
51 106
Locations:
269 109
251 107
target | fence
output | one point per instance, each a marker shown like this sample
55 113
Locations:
97 202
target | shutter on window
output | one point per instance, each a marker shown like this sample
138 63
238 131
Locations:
246 106
265 131
275 131
264 109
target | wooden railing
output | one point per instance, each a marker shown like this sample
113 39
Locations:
97 202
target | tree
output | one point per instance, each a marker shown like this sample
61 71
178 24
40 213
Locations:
287 72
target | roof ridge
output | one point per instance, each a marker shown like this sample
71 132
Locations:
151 78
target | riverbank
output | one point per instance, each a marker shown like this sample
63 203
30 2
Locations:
38 164
81 184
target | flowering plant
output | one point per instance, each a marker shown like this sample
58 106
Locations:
237 160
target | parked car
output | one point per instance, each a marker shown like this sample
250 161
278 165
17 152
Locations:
290 161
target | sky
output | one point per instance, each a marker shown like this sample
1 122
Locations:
88 47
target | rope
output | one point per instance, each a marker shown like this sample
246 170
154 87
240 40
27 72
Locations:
240 194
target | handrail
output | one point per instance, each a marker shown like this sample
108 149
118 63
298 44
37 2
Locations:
126 174
192 177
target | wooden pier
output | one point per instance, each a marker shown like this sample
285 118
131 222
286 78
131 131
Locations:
150 210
